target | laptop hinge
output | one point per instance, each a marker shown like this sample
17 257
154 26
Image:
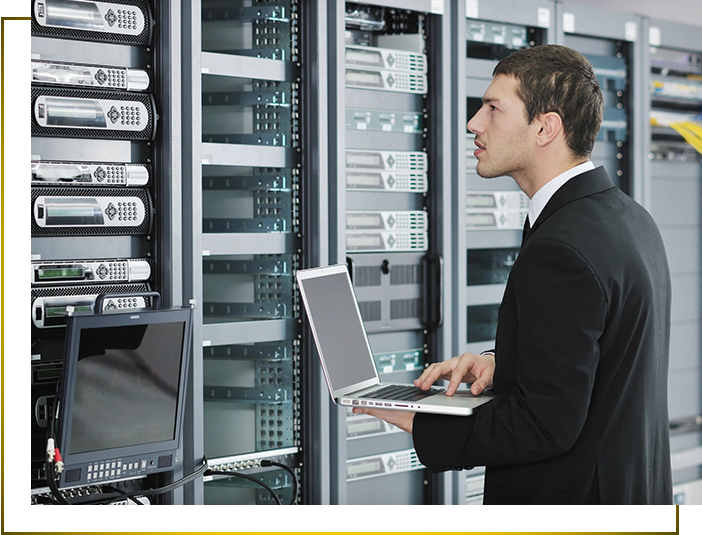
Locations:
362 390
361 385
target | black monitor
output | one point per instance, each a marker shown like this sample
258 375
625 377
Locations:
122 395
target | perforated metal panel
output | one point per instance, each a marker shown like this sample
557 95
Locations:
144 38
389 288
406 274
143 228
147 134
367 276
370 310
405 309
62 291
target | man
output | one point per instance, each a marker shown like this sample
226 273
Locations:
580 364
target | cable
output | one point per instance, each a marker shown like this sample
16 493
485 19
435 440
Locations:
689 133
202 470
161 490
43 500
51 480
50 473
124 494
291 472
688 127
695 127
152 492
248 478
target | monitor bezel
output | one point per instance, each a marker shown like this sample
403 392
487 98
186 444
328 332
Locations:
79 322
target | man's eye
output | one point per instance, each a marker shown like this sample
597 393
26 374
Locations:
492 108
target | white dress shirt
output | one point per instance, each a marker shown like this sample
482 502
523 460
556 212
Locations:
541 197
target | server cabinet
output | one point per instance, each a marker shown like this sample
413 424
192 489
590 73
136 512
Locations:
488 215
105 176
389 97
610 45
672 192
250 119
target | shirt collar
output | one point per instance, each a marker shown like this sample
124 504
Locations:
541 197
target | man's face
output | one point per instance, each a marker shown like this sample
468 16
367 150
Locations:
502 134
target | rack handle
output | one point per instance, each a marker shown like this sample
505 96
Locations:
155 302
433 302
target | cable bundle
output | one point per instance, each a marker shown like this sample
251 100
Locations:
689 127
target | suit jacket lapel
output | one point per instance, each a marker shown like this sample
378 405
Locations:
588 183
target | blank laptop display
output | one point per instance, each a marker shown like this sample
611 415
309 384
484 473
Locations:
339 331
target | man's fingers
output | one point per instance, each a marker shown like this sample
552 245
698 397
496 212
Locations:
478 386
457 376
383 414
401 419
484 376
456 370
425 375
430 375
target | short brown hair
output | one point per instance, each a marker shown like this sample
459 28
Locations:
558 79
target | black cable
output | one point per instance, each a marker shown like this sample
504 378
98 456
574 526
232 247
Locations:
58 497
291 472
43 500
124 494
248 478
51 480
161 490
50 473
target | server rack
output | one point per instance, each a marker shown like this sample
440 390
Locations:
389 160
672 56
610 45
122 166
250 169
488 215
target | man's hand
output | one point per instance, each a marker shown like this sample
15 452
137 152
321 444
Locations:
401 419
468 368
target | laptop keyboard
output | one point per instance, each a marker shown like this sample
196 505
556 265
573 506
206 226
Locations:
402 393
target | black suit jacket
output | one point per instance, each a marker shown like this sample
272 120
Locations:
580 414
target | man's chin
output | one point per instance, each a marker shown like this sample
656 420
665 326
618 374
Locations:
485 172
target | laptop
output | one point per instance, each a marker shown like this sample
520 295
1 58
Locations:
346 357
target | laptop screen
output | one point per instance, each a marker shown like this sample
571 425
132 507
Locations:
338 329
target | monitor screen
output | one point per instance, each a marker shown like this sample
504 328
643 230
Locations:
126 386
122 394
338 330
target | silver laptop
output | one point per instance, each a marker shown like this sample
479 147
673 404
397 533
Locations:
347 360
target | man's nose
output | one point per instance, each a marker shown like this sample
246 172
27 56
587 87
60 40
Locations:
475 124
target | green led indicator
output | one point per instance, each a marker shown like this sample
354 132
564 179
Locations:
60 273
58 312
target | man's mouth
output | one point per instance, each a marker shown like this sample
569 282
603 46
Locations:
480 150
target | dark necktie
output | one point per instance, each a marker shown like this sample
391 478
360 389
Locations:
526 230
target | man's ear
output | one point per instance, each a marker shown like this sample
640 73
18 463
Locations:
550 127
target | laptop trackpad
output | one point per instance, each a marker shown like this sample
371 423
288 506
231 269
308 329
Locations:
461 398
